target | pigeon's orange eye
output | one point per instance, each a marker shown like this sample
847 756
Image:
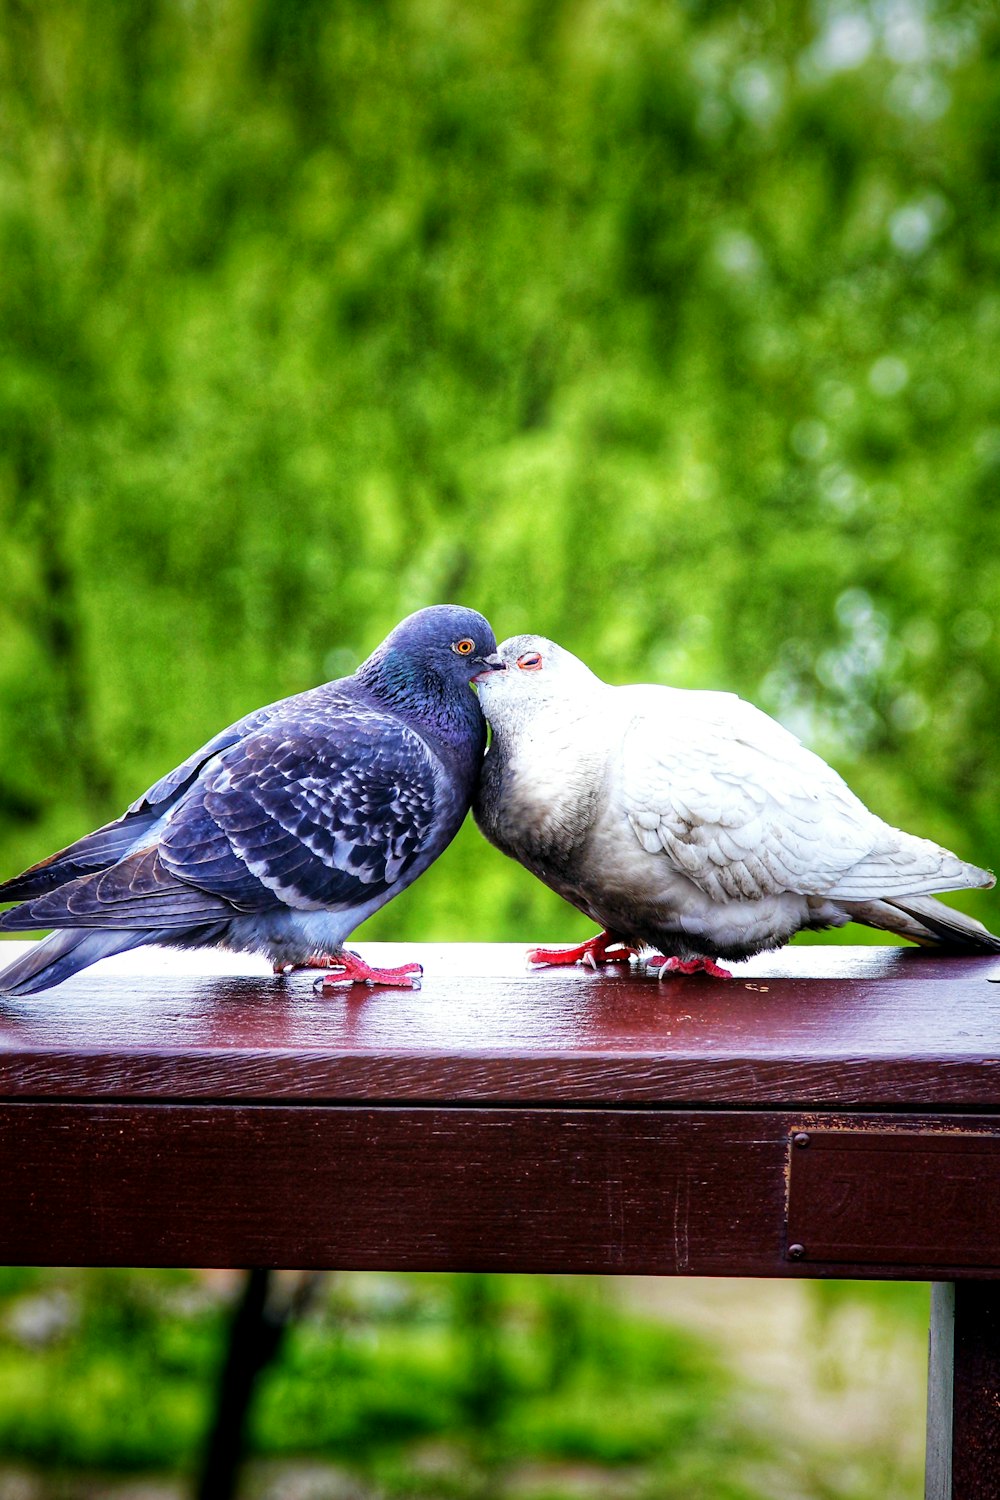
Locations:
531 661
464 648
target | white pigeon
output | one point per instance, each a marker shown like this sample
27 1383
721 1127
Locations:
691 823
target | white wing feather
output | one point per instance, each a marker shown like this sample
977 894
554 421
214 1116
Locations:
738 805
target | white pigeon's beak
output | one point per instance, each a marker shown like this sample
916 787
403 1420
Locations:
491 664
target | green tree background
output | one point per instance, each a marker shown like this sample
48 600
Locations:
667 329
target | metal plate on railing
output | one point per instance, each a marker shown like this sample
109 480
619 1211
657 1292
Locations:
894 1197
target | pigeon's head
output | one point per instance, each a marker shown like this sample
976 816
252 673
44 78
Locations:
537 673
446 642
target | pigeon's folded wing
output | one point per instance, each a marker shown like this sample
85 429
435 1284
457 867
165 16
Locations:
166 790
311 819
738 805
287 818
107 845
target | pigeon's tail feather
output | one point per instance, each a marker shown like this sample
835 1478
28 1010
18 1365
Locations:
951 928
906 866
924 920
138 892
888 918
63 954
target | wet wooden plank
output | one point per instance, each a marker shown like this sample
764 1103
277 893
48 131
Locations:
809 1026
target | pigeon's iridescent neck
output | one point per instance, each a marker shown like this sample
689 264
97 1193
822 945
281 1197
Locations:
449 710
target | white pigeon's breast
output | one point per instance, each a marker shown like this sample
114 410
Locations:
641 894
550 789
619 878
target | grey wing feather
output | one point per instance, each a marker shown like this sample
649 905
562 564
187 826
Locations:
96 851
137 893
316 822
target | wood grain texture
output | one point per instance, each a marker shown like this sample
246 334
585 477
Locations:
875 1027
529 1189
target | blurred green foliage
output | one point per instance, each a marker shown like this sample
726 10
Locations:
114 1370
668 329
450 1387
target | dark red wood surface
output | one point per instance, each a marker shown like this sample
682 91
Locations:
895 1196
689 1192
811 1026
192 1109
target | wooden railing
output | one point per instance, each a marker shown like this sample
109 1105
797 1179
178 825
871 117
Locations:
832 1112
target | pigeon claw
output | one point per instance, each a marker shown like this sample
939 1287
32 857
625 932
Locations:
349 968
706 966
605 948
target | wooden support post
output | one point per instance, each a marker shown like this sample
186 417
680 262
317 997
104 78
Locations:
963 1396
940 1371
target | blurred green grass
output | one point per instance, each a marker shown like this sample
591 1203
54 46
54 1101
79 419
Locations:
464 1388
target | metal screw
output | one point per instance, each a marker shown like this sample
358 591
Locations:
800 1138
796 1252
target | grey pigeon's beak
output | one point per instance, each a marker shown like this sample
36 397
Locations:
494 663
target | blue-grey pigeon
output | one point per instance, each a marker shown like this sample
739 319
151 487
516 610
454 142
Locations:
691 823
286 830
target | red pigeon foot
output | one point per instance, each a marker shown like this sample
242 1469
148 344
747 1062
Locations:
687 966
605 948
349 968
